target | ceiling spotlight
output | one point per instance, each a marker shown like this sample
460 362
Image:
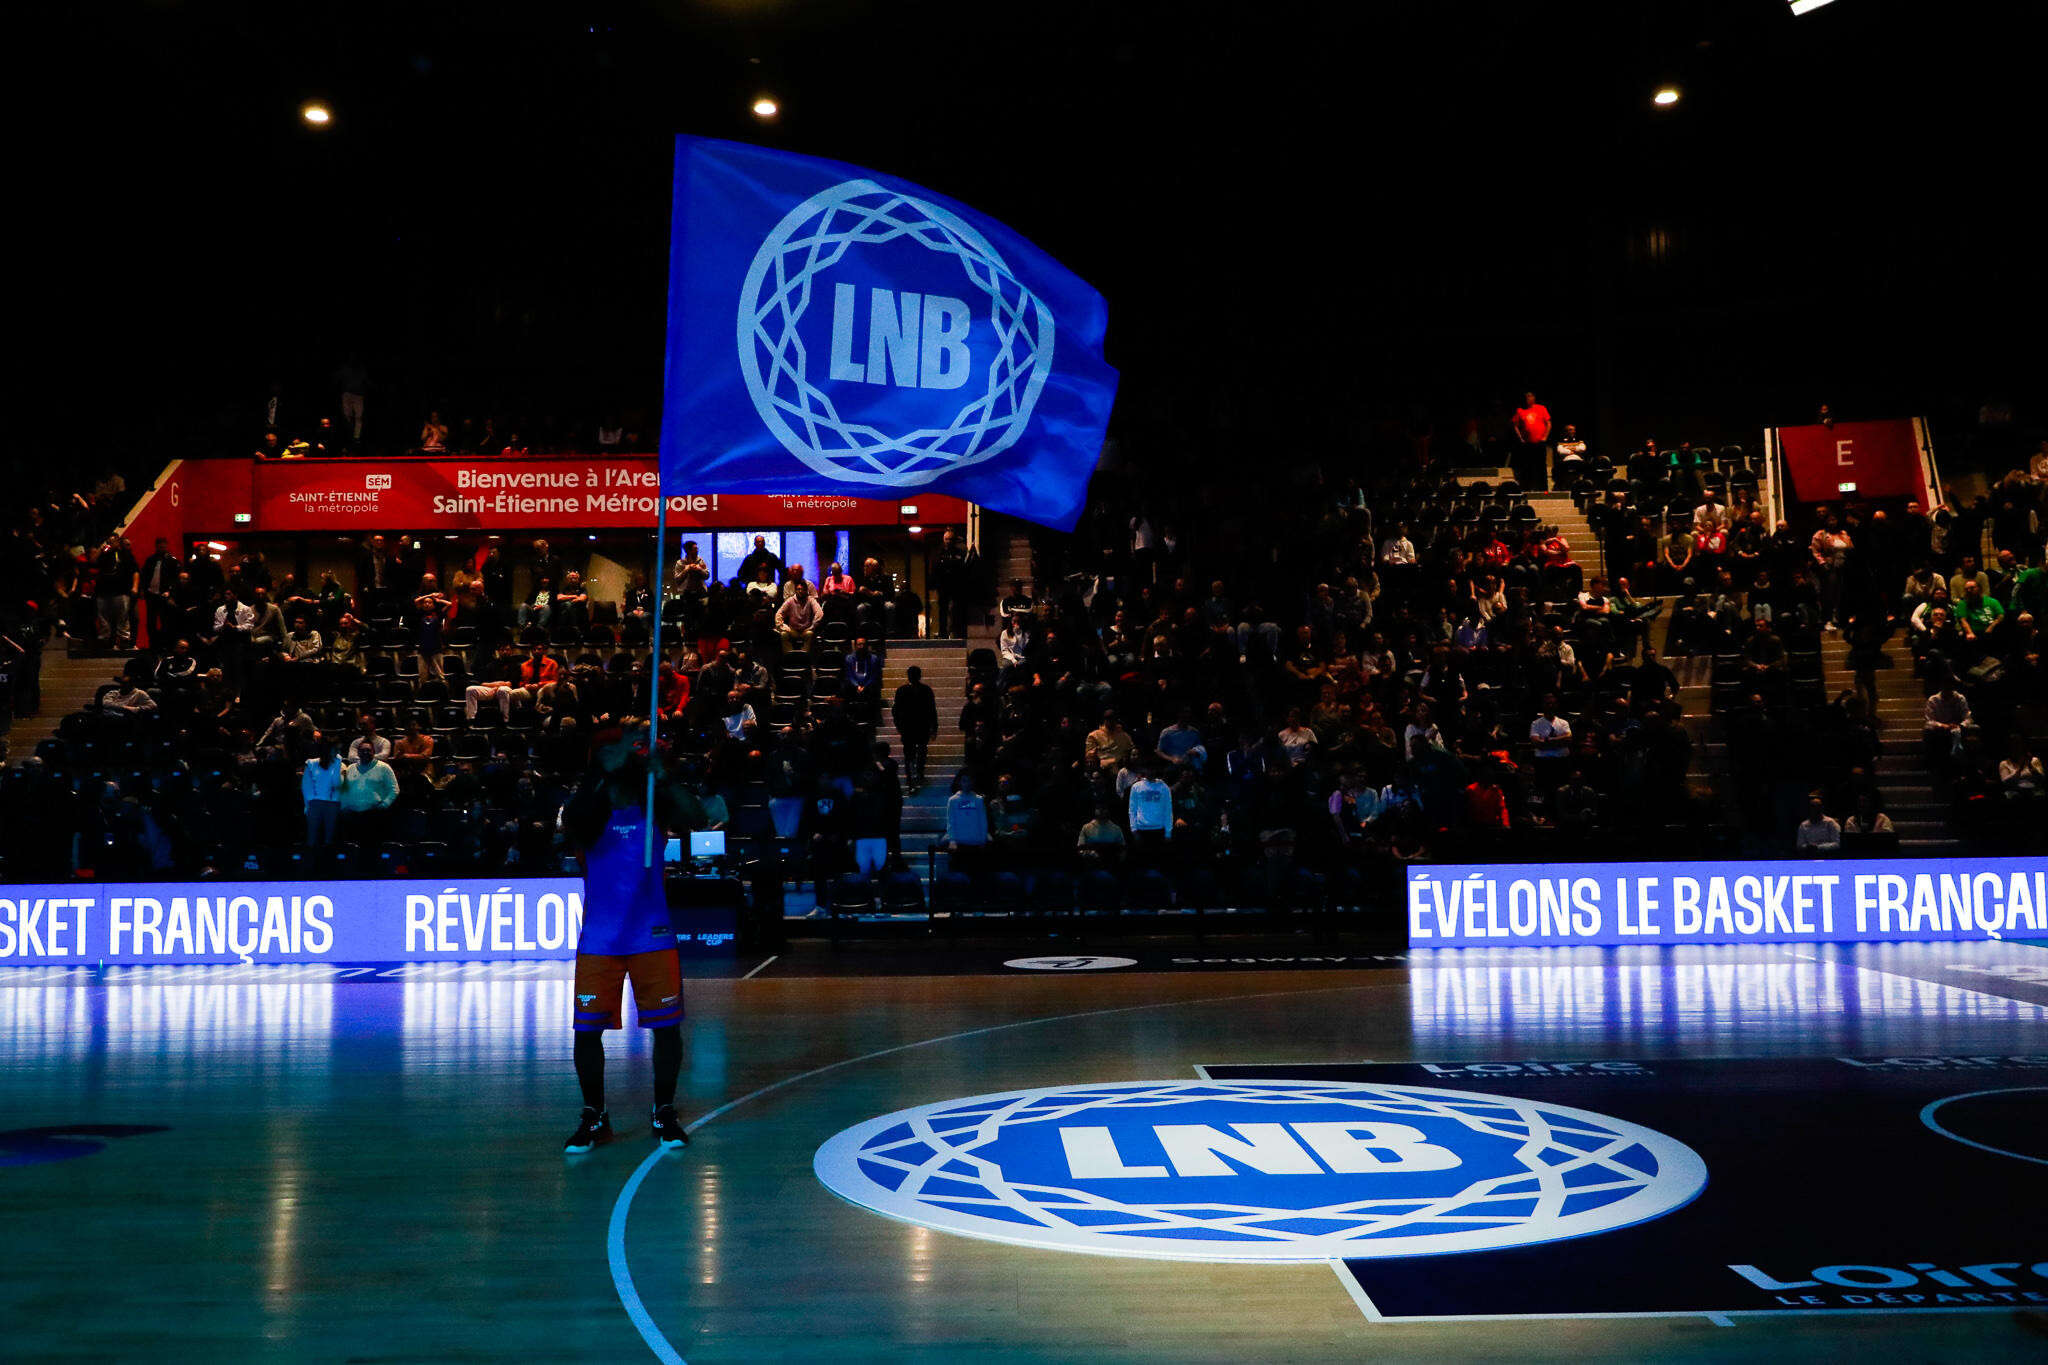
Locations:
766 108
1666 96
317 114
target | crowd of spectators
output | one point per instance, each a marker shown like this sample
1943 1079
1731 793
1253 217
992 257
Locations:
407 718
1281 682
1972 615
1310 679
1329 679
1946 605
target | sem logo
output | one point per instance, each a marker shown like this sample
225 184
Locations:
1077 963
375 481
1259 1170
920 383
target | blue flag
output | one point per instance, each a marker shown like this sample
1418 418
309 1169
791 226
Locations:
832 330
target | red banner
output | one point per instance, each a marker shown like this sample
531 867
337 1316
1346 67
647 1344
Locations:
1854 461
555 493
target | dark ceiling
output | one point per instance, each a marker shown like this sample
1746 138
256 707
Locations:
1302 214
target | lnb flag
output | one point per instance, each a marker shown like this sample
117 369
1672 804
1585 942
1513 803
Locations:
836 331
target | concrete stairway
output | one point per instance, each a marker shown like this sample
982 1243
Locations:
1007 548
1558 509
1912 797
945 671
68 685
1709 779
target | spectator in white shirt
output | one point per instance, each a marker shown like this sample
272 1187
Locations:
320 789
1551 734
234 624
233 614
1013 646
1868 819
366 735
1151 809
1571 456
1297 740
127 698
369 788
1948 711
1820 833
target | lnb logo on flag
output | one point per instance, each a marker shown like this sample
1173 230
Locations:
832 330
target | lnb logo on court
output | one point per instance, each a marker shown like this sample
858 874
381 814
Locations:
1260 1170
871 382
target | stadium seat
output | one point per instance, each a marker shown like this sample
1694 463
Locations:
902 893
1148 890
1002 893
1052 893
851 895
952 892
1101 893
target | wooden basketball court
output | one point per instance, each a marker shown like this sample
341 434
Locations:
369 1168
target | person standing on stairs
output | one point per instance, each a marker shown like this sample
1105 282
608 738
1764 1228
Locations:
915 710
949 586
1866 634
1830 549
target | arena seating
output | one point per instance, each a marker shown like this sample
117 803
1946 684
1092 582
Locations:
1331 678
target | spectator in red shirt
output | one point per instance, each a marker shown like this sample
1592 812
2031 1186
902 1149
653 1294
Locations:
1532 438
675 691
539 669
1486 805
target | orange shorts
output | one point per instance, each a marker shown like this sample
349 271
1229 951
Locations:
600 989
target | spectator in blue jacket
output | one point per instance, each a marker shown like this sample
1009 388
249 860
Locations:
864 679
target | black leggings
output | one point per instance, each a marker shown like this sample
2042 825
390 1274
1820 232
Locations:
668 1064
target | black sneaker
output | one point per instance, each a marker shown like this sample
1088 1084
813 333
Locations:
595 1128
668 1129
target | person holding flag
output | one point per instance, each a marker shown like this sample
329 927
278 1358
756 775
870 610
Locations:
627 933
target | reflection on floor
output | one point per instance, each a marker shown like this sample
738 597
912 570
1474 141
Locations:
357 1164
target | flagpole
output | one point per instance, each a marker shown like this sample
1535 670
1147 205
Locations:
654 671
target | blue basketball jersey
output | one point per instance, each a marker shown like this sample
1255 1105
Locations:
624 907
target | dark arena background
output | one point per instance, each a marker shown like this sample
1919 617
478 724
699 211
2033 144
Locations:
1512 826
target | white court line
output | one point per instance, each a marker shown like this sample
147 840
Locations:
615 1240
622 1278
1355 1290
1927 1117
760 966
